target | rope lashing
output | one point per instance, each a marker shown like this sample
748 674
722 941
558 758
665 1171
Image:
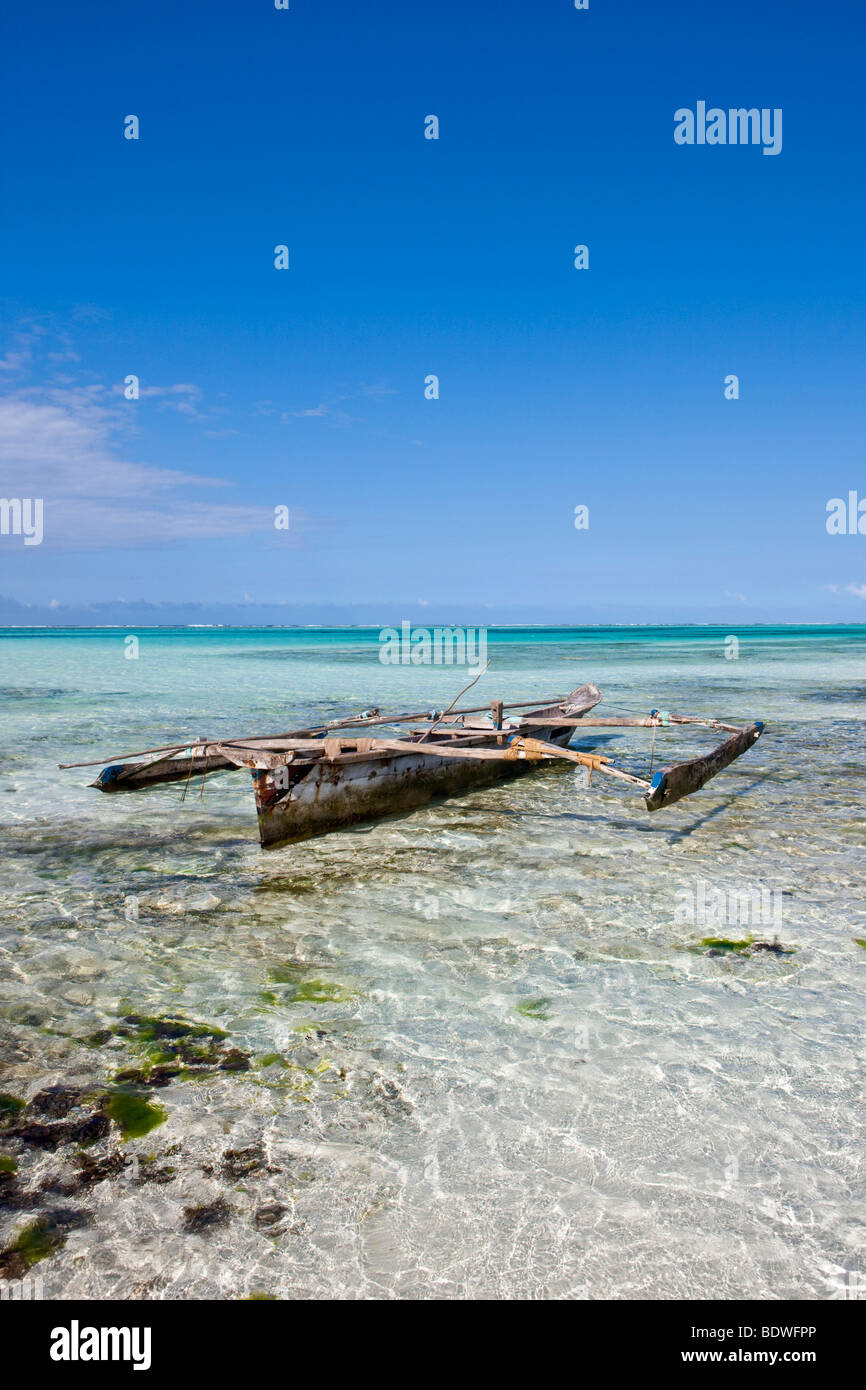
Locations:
664 718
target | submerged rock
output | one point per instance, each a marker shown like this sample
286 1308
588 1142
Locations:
12 1195
87 1172
235 1060
151 1076
55 1102
239 1163
390 1097
85 1129
148 1170
206 1216
175 1045
92 1170
748 946
41 1136
269 1214
88 1131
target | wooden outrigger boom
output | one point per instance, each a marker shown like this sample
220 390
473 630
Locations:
313 780
681 779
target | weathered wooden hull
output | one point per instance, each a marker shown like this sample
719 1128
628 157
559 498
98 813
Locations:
328 796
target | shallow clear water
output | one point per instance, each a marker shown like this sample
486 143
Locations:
502 1072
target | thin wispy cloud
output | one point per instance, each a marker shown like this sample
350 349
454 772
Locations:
62 441
857 590
63 445
376 392
13 361
183 397
330 409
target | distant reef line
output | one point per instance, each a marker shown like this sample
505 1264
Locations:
132 614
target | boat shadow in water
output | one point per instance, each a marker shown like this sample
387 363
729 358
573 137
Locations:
674 837
646 827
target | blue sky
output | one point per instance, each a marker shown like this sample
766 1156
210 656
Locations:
455 257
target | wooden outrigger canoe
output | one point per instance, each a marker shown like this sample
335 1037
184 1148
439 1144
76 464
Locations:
311 781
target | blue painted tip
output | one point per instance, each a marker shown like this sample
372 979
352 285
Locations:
109 774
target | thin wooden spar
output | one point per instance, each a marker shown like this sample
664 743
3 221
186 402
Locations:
454 702
353 722
533 749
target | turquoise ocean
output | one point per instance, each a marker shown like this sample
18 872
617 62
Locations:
488 1050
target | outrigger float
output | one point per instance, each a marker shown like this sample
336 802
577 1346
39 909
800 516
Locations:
311 781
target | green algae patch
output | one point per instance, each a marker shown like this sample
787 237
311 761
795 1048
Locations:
304 990
10 1105
173 1040
193 1054
39 1239
721 943
144 1028
36 1242
8 1164
168 1049
535 1008
320 992
288 974
272 1059
134 1115
859 941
